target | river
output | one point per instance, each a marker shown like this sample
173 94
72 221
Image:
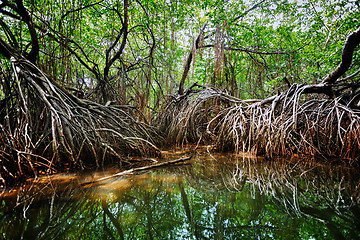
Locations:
215 196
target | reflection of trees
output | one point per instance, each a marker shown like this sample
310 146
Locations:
217 197
113 220
218 210
327 193
37 217
305 188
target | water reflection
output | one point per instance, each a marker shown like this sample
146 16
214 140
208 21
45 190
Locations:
216 197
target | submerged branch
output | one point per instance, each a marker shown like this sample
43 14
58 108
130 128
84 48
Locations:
140 169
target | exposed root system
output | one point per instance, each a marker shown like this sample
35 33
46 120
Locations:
291 124
45 128
52 128
288 123
185 117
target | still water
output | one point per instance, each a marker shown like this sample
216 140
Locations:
215 196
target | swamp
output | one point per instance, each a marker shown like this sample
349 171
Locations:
148 119
215 196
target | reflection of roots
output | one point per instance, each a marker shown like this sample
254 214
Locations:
309 188
300 185
46 127
297 183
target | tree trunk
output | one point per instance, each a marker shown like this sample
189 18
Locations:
347 53
189 60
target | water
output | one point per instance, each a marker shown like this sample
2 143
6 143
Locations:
216 196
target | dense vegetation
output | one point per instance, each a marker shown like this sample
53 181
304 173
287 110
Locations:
88 82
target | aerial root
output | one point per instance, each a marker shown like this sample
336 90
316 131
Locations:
184 118
289 125
51 127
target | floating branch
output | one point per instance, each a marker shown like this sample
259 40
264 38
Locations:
141 169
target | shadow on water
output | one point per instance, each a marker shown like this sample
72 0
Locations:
219 196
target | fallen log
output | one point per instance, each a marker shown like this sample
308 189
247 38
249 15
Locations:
139 169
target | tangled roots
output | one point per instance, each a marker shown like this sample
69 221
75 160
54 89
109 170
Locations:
45 127
290 125
185 117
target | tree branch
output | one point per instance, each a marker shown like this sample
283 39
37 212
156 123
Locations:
76 10
6 50
351 42
239 49
10 36
248 10
34 52
189 60
124 32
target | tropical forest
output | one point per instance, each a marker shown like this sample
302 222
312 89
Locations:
179 119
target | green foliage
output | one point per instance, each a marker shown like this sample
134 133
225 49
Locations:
307 35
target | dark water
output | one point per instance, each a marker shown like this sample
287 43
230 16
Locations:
214 197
